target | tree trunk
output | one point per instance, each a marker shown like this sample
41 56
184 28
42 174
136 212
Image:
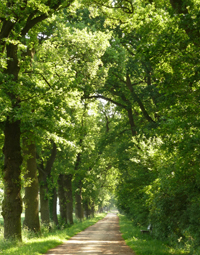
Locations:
55 217
87 210
12 203
79 204
62 199
100 208
31 191
68 181
53 207
78 184
92 210
131 121
44 203
44 174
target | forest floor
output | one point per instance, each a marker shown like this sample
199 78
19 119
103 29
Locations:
103 237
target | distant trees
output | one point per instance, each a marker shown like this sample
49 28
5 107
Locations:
113 91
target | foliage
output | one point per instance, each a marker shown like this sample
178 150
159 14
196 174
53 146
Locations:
144 244
117 84
159 180
39 245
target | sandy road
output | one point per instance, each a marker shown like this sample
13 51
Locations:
102 238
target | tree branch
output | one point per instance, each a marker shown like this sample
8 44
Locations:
131 121
51 159
5 32
43 79
135 96
32 22
109 100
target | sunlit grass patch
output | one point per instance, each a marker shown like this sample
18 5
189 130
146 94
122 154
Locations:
33 245
145 244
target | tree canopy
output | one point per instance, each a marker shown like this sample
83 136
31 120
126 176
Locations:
107 93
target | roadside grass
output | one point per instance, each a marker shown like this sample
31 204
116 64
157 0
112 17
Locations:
145 244
36 245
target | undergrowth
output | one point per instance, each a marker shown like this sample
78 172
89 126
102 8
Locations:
145 244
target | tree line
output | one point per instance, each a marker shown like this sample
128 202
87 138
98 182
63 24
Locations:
101 96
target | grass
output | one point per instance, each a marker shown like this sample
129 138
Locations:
34 245
145 244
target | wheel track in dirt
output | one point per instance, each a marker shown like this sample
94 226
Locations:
103 237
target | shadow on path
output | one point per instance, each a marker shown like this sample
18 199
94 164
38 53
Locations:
103 237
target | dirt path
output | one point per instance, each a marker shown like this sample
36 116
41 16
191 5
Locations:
102 238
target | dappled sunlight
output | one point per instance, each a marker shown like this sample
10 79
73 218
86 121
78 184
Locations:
102 238
91 241
92 248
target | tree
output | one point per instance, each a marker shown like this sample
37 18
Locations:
171 81
31 199
44 174
18 19
153 79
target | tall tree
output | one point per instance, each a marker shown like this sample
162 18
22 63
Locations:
17 20
31 199
44 175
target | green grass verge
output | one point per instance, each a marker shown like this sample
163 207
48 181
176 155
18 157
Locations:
33 245
145 244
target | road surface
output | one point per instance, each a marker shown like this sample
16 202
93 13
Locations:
103 237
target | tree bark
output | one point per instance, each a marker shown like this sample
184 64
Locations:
68 180
87 209
31 191
92 210
12 203
131 121
44 203
55 217
78 183
44 174
53 207
79 203
137 99
100 208
62 199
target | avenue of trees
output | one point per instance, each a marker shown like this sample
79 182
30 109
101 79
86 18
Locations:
99 101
